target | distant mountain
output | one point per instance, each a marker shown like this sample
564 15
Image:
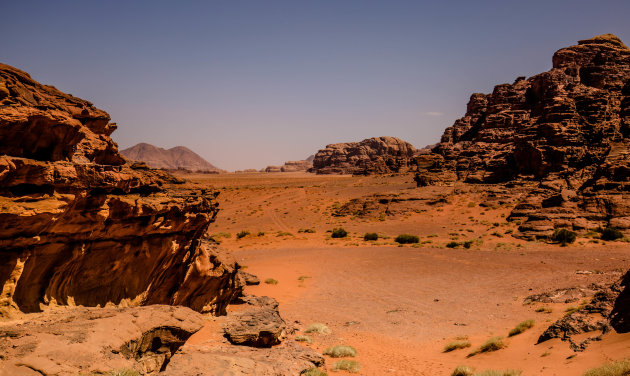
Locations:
179 157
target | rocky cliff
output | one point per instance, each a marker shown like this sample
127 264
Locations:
179 157
292 166
78 226
378 155
567 128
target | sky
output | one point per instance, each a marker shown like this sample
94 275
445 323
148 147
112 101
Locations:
247 84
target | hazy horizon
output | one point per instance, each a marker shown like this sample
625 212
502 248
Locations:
249 84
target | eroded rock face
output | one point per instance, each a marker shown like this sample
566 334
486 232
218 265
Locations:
568 128
96 340
258 324
80 227
379 155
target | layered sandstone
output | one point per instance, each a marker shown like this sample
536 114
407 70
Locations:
292 166
568 128
378 155
78 226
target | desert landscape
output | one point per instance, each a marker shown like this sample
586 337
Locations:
502 249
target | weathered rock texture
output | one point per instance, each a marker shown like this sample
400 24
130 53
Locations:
80 227
607 309
177 158
568 128
379 155
292 166
96 340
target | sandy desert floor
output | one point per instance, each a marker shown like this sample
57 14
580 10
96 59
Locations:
400 305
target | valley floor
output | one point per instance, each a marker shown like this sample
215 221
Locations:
400 305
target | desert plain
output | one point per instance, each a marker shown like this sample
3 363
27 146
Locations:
400 305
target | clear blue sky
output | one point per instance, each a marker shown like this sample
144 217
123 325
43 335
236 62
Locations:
248 84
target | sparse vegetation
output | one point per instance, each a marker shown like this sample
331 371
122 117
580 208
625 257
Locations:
452 244
271 281
544 310
370 236
563 236
520 328
493 344
462 371
467 371
302 278
306 339
610 233
313 372
618 368
306 230
283 233
456 345
317 328
340 351
406 239
347 365
125 372
242 234
339 233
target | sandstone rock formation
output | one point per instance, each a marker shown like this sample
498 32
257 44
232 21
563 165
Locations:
379 155
568 128
177 158
96 340
292 166
258 324
80 227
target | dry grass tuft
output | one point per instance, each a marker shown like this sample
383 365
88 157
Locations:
317 328
493 344
618 368
347 365
456 345
340 351
520 328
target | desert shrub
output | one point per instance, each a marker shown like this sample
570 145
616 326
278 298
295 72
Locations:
611 233
125 372
340 351
317 328
520 328
563 236
456 345
468 244
306 339
618 368
283 233
219 235
544 310
242 234
370 236
507 372
452 244
462 371
339 233
493 344
303 278
347 365
271 281
406 239
313 372
306 230
260 233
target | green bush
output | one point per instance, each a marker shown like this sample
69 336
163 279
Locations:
347 365
370 236
618 368
520 328
563 236
406 239
611 233
340 351
339 233
242 234
452 244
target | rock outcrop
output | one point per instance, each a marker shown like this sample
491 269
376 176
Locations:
80 227
177 158
292 166
379 155
96 340
568 128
